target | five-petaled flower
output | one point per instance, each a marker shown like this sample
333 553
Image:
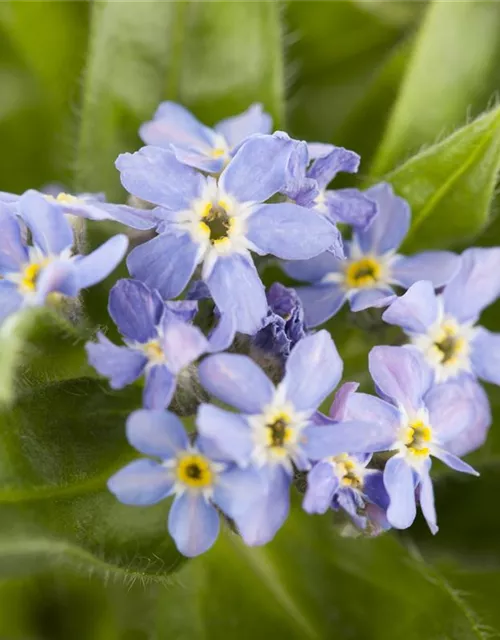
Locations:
32 273
199 479
159 342
416 420
218 223
372 267
198 146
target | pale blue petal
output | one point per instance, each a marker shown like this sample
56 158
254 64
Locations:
399 482
426 495
438 267
237 381
141 219
325 167
13 253
156 433
322 484
165 263
237 289
204 161
50 230
485 355
362 407
416 310
315 269
401 375
222 336
374 488
450 410
350 206
238 128
239 490
193 523
96 266
475 435
141 483
59 276
184 310
313 370
120 364
367 298
343 437
321 302
229 432
155 175
182 344
339 404
390 226
476 285
135 309
291 232
453 462
258 170
10 299
159 387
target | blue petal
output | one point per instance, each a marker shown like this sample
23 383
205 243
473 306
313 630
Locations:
399 482
321 302
339 404
376 297
142 482
260 523
475 435
49 228
325 168
451 410
222 336
182 344
485 355
416 310
238 128
476 285
426 495
96 266
362 407
59 276
374 488
135 309
10 299
237 289
350 206
155 175
141 219
13 253
120 364
239 490
156 433
258 170
159 388
184 310
165 263
315 269
291 232
390 225
322 483
313 370
193 523
331 440
237 381
228 432
453 462
401 375
438 267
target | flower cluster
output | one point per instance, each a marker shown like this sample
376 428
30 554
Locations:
203 337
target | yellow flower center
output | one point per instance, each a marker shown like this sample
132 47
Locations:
30 276
218 152
347 469
417 437
153 351
364 272
449 345
194 470
278 431
66 198
216 222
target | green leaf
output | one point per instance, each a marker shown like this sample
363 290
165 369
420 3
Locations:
450 186
453 72
215 58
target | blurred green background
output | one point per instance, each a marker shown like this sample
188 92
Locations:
399 82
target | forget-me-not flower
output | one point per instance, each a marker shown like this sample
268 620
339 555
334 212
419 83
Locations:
159 342
416 420
443 327
199 480
199 146
373 266
30 273
219 222
277 428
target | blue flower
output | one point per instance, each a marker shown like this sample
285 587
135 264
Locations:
307 185
91 206
343 481
443 327
276 429
284 324
30 273
218 223
199 146
372 267
159 342
414 419
199 480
